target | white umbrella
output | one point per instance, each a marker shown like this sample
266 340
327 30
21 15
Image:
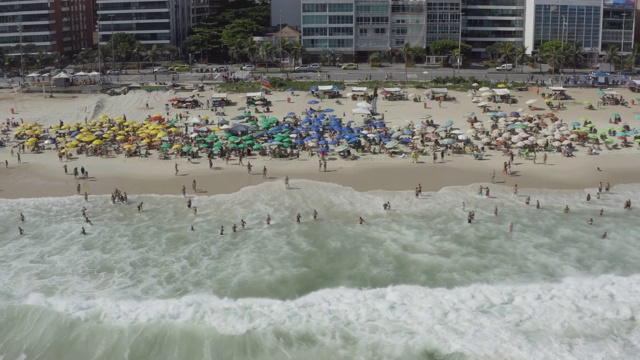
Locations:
485 140
566 142
520 144
462 137
506 135
33 75
62 75
573 136
487 93
484 89
483 104
361 111
349 94
81 73
529 102
541 142
556 143
94 73
194 120
474 84
516 139
457 131
471 132
365 105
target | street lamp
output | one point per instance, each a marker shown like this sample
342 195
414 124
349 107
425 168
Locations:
21 59
280 39
624 17
459 59
113 53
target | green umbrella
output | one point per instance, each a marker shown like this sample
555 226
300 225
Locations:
521 126
636 140
589 125
212 137
217 148
257 146
187 148
247 137
592 136
583 119
611 140
587 103
232 146
202 146
252 106
278 138
286 144
262 117
218 143
249 142
165 146
602 132
226 135
242 146
233 138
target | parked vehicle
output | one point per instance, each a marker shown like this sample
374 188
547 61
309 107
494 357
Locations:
182 67
248 68
160 70
504 67
350 66
109 72
311 67
220 69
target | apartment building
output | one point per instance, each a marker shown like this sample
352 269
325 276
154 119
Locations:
50 25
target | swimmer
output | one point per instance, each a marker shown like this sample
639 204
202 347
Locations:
495 210
83 231
192 229
195 210
537 204
86 219
22 217
268 219
511 227
86 196
243 223
361 220
189 203
315 214
590 221
588 197
84 211
388 205
528 200
598 195
601 212
222 230
566 209
140 207
298 217
469 218
604 235
234 228
384 206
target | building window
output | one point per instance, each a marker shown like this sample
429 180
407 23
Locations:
314 19
340 7
340 19
307 8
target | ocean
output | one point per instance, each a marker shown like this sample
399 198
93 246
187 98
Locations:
413 282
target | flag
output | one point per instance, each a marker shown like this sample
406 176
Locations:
265 85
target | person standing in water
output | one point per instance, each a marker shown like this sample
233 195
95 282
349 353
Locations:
222 230
243 223
361 220
140 207
268 219
315 214
495 210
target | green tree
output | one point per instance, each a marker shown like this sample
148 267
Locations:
237 33
138 52
331 57
507 52
575 55
205 38
42 59
122 44
266 52
445 47
374 58
554 54
611 55
520 56
297 50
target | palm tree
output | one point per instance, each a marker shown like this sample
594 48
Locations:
266 52
576 55
407 53
507 51
151 55
251 49
555 56
520 55
296 50
41 58
611 55
374 58
138 50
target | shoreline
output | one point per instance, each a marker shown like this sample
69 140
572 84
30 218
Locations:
37 177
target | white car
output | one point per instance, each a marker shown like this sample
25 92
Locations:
312 67
248 68
160 70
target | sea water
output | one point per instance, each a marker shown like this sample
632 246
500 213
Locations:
413 282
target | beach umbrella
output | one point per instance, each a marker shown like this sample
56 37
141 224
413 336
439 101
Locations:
448 141
165 146
615 115
531 101
448 123
556 143
484 89
328 110
313 102
587 102
257 146
600 92
575 123
469 115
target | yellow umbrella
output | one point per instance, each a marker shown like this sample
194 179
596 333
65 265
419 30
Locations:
98 142
214 128
120 138
128 146
71 145
145 141
63 151
176 146
119 120
162 134
122 132
32 139
175 130
104 116
106 136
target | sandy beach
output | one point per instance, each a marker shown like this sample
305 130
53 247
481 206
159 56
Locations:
41 174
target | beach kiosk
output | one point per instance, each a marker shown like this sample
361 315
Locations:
253 97
328 92
393 94
437 94
359 93
502 96
634 86
220 99
558 93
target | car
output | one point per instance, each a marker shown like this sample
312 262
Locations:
220 69
315 67
160 70
182 67
310 67
629 72
301 68
350 66
112 72
248 68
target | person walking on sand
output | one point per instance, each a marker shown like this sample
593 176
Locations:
184 190
249 167
78 188
286 182
65 168
176 167
493 176
544 158
193 185
19 160
264 172
6 164
210 164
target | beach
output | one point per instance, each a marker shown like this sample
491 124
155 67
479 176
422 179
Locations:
352 262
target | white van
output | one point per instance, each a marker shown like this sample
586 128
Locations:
506 67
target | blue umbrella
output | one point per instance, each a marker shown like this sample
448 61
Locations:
291 113
448 123
314 88
313 102
407 132
323 142
335 88
352 140
333 143
328 110
621 133
501 114
73 134
513 126
447 141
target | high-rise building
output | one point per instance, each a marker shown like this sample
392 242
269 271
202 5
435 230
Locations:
489 21
50 25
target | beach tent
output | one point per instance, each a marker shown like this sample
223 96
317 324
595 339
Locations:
217 97
392 90
325 88
361 111
94 73
81 73
359 89
62 75
255 95
195 120
501 92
